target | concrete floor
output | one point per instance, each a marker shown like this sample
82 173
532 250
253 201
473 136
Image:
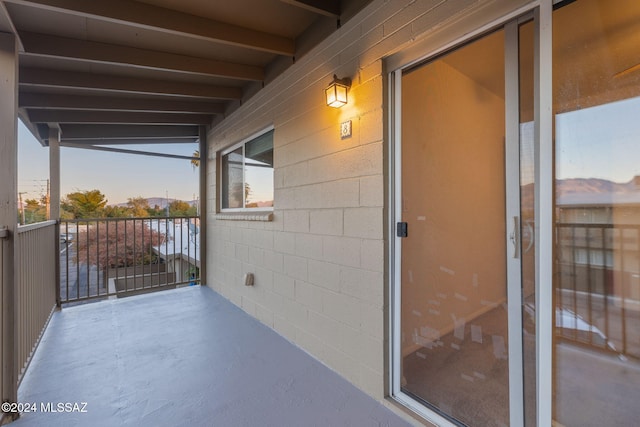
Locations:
184 357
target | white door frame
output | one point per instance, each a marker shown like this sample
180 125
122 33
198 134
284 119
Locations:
542 10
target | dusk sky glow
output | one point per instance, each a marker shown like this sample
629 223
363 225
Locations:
599 142
118 176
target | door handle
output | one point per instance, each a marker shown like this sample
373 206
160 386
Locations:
514 237
402 229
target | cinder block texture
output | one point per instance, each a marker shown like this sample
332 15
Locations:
320 268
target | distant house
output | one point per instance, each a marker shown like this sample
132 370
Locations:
181 251
598 225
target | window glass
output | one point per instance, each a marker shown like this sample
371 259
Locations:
232 192
596 83
258 169
247 174
454 310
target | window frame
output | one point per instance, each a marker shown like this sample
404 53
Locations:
230 149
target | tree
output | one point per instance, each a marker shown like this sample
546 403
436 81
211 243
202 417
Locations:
118 244
156 210
138 207
195 162
65 214
116 211
181 208
85 204
34 211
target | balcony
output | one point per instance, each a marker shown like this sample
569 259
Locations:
188 356
135 356
183 357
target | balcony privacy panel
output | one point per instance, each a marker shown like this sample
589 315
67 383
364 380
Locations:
35 287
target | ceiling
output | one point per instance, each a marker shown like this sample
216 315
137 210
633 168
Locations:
107 72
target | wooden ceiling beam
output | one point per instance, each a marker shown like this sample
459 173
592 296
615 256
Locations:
116 117
105 103
147 16
125 151
89 51
7 25
133 141
329 8
67 79
110 132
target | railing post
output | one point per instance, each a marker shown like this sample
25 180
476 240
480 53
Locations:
58 259
54 197
8 212
203 204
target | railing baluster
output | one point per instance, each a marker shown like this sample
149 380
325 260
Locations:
135 255
97 259
605 288
126 258
574 282
589 286
107 267
88 264
159 247
117 254
622 294
66 244
142 252
175 267
166 248
78 262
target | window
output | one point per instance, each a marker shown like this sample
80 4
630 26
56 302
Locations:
247 174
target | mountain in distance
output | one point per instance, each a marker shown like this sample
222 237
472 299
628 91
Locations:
591 186
161 202
587 191
595 185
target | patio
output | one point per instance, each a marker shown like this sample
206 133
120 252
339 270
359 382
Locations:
184 357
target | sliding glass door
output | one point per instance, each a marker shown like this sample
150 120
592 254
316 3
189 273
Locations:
516 222
596 103
460 232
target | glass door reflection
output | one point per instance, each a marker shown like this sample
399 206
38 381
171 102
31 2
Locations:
597 213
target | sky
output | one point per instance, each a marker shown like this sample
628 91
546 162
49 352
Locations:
118 176
599 142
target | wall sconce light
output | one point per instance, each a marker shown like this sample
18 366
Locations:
336 92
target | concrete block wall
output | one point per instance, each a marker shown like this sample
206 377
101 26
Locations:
319 264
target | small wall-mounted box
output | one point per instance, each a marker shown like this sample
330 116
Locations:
248 279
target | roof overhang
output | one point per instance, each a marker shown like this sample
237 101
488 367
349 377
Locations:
115 72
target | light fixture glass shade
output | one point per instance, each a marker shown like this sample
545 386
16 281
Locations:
336 92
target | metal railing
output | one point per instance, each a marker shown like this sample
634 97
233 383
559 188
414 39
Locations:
115 257
598 286
35 278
